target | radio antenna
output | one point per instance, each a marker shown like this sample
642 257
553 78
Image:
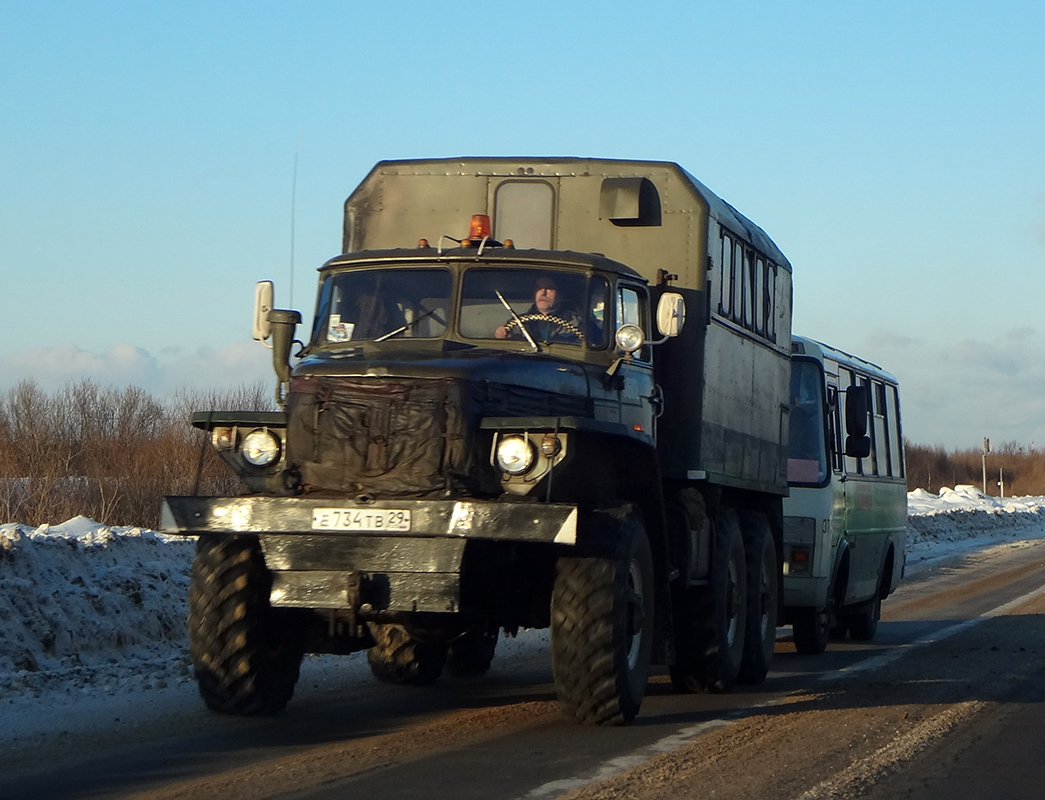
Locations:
293 206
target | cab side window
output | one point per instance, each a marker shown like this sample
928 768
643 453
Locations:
630 309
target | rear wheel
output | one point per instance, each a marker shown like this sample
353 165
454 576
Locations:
246 655
811 628
399 657
864 625
711 620
762 593
602 625
472 653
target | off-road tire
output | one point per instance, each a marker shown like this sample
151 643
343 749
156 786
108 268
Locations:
811 628
711 621
246 655
472 653
399 657
602 624
763 585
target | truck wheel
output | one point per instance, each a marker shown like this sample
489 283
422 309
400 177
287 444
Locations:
399 657
724 613
246 655
471 654
711 621
763 583
811 628
864 625
602 626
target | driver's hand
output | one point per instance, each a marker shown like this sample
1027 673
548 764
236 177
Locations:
501 332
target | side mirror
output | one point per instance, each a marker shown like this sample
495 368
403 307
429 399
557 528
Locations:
857 406
262 307
671 314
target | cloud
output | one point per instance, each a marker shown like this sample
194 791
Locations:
206 369
955 393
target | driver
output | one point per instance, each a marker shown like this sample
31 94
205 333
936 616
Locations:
547 319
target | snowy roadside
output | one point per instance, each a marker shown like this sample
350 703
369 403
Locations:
92 619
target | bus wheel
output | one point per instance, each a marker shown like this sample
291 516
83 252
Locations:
762 587
399 657
811 628
602 625
711 634
245 654
864 625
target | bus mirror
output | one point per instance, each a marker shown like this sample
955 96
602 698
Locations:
857 405
671 314
858 446
262 307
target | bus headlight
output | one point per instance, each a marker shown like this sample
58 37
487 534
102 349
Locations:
260 447
515 454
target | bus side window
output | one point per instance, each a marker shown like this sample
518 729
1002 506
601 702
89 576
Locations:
892 400
881 427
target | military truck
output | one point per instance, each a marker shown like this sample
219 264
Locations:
574 416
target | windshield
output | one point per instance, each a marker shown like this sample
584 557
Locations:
545 305
382 304
806 462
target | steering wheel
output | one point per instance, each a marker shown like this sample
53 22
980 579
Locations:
563 324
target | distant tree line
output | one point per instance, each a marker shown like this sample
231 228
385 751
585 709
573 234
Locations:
108 454
114 454
932 468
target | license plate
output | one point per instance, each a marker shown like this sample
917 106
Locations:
360 519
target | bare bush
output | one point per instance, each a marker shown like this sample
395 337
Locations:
108 454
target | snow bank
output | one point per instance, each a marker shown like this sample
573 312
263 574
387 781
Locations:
86 609
965 518
81 603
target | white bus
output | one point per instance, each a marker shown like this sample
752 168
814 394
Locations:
845 521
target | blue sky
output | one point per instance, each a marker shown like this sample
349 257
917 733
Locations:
894 152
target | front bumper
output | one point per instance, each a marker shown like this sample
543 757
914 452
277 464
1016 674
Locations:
374 571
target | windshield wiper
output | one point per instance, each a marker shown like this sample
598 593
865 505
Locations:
408 326
518 321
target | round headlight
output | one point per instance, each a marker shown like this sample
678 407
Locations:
514 454
629 338
260 447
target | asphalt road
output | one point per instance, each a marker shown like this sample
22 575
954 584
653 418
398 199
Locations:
945 703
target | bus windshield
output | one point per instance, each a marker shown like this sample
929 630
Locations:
806 454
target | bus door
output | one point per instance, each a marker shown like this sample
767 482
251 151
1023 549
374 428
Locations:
863 529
